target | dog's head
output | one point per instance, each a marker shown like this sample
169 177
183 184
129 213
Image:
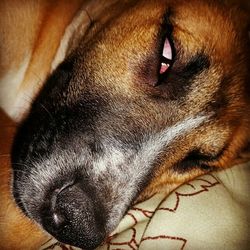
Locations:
154 93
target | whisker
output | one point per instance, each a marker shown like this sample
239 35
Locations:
90 18
48 112
21 164
20 171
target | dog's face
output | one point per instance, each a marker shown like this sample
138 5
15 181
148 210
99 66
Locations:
154 93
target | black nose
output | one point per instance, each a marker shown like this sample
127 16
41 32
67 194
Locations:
74 217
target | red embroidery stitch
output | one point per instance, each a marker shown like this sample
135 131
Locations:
168 238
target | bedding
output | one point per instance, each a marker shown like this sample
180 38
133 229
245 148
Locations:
210 212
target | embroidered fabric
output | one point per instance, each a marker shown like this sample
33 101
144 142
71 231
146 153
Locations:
210 212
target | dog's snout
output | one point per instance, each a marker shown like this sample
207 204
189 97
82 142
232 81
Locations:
71 217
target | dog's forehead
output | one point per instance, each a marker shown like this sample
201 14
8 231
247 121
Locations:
109 69
133 32
215 27
114 58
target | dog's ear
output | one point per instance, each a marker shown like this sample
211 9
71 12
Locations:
78 28
72 36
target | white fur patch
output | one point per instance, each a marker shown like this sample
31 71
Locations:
126 170
155 144
151 147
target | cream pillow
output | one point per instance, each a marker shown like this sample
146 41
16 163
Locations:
210 212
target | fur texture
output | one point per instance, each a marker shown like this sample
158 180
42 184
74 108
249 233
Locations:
105 129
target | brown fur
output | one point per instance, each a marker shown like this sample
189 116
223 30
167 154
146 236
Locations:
193 33
16 230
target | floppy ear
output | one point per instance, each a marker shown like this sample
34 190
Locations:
85 16
72 35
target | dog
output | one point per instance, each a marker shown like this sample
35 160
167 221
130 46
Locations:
117 101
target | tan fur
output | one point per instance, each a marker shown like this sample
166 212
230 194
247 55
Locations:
34 28
192 33
16 230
